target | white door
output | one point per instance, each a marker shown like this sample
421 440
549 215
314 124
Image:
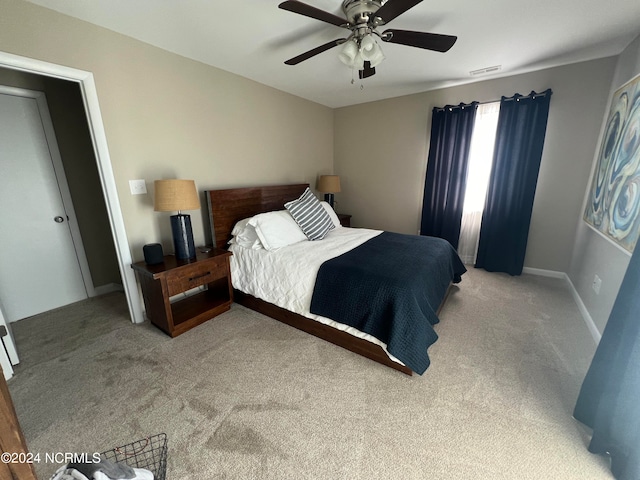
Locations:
39 267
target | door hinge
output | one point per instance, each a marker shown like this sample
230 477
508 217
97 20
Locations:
3 331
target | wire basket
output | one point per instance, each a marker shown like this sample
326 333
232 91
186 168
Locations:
149 453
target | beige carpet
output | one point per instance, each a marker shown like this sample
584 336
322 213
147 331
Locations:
245 397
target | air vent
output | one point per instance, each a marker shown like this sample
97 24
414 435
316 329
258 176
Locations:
486 70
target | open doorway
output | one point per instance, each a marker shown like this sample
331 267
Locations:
79 166
65 87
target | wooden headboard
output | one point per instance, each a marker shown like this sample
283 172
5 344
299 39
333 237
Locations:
227 207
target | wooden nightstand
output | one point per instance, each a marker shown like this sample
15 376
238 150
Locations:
345 220
172 277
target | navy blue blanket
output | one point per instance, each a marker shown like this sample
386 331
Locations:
390 287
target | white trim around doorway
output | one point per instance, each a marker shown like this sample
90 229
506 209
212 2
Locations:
107 179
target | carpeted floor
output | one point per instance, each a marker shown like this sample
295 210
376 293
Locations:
245 397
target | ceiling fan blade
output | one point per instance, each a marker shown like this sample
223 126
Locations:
394 8
428 41
367 71
313 52
312 12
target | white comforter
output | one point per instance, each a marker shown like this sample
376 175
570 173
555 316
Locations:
286 277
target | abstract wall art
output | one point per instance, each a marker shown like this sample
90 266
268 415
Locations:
614 198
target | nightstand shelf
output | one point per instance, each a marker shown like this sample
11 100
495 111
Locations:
198 308
163 284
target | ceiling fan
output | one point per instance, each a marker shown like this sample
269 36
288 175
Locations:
360 49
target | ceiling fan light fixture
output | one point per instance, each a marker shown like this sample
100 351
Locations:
368 46
377 59
350 55
371 51
358 63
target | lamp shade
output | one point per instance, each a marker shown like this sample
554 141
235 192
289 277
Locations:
175 195
329 184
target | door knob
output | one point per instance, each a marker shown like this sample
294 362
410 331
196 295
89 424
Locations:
58 219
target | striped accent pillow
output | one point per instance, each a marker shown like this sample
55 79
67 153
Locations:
310 215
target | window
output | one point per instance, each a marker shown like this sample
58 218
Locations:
478 173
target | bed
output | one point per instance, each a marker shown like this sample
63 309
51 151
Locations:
314 273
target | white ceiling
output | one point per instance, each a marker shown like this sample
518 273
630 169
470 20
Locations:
253 38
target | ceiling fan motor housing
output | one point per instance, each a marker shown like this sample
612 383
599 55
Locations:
359 12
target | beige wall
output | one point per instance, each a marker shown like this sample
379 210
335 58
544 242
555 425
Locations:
592 253
166 116
381 153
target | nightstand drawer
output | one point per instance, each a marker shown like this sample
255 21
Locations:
194 276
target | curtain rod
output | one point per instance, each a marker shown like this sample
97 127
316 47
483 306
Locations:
517 96
533 94
451 107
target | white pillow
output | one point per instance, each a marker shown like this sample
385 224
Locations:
240 226
245 235
277 229
332 214
249 238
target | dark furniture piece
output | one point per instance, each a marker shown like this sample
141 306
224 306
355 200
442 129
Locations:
13 446
345 220
174 277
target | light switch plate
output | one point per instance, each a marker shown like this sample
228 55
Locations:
138 187
597 283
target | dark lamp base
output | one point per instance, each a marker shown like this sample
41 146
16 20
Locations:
182 236
328 197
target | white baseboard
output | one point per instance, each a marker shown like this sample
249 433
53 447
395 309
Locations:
591 325
595 333
544 273
108 288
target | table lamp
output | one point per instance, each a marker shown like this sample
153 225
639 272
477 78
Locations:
329 184
177 195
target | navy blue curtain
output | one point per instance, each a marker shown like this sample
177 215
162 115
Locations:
609 400
512 186
444 188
